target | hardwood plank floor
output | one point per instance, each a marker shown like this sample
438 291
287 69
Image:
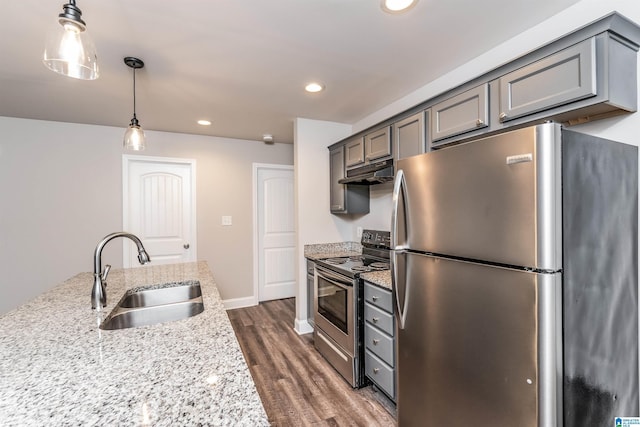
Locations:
297 385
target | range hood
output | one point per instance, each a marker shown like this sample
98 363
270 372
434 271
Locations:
373 173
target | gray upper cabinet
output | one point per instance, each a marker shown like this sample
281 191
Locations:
461 113
345 199
377 144
336 170
592 78
567 76
354 152
409 136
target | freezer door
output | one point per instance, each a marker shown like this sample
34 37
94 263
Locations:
496 199
479 344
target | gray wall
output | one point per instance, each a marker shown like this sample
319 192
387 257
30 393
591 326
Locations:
61 192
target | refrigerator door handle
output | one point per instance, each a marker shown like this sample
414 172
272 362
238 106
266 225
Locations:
399 196
399 287
398 244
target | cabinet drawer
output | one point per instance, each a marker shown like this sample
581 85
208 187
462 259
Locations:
564 77
461 113
380 344
378 144
379 297
354 152
380 319
380 373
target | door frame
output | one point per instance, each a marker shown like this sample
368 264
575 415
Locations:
127 159
256 265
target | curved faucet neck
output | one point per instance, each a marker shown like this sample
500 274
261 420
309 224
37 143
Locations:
97 255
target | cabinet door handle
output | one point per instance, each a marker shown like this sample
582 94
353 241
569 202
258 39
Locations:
375 341
186 246
479 122
374 298
502 116
375 319
376 370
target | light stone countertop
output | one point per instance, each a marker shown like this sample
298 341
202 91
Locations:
378 278
58 368
332 250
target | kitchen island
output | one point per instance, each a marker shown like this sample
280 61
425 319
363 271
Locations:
58 368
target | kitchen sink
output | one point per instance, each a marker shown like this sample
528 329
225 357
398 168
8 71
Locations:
149 305
167 294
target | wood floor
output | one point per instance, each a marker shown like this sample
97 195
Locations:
296 384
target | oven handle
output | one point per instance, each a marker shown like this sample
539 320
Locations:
334 278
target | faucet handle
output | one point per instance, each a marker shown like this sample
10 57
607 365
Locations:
105 272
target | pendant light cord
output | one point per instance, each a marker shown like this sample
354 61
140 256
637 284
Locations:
134 93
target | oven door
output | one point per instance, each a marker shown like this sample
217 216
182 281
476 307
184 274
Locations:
334 308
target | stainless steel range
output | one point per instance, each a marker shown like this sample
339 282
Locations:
339 304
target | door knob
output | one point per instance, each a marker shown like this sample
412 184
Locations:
186 246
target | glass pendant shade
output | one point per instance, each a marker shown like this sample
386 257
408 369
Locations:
134 138
69 49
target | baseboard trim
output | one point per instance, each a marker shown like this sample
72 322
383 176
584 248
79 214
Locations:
303 327
230 304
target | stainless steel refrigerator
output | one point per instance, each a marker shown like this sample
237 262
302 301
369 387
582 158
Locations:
515 279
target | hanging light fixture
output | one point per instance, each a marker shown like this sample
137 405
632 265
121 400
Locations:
69 49
134 138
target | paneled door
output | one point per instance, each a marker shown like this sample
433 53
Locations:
275 252
159 207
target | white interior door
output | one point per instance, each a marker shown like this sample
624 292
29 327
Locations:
275 232
159 208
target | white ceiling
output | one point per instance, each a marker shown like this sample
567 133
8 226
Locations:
243 63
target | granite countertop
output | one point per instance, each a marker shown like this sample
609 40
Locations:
332 250
58 368
379 278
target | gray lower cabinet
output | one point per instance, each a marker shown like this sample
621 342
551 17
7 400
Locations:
379 336
345 199
409 136
462 113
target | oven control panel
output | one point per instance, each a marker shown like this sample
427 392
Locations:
376 238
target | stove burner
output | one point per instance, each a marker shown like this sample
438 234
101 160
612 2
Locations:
380 265
335 261
360 268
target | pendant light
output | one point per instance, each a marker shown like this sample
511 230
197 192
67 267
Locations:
69 49
134 138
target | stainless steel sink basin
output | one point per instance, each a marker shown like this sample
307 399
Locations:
147 297
155 304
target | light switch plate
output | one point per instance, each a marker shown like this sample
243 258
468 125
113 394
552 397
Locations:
359 232
226 220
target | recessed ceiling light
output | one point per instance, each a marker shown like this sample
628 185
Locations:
204 122
314 87
397 6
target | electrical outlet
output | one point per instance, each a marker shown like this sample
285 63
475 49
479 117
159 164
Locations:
226 220
359 232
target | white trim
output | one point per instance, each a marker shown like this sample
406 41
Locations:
126 160
230 304
302 327
254 195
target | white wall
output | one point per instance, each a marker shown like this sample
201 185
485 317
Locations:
314 223
61 192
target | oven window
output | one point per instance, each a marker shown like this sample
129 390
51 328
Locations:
332 304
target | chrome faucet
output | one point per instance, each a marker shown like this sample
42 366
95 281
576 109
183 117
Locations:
99 291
